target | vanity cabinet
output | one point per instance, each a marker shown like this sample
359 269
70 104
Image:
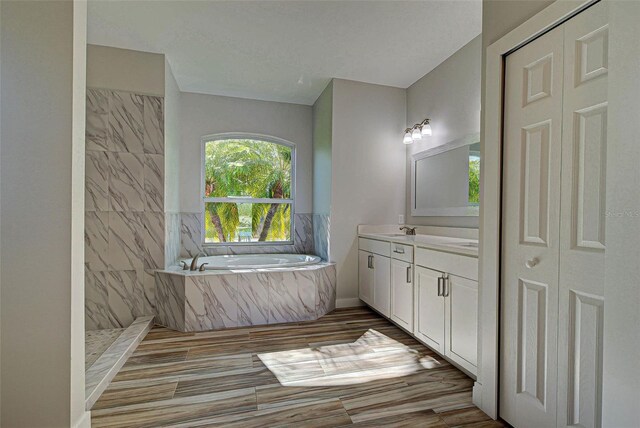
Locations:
374 274
435 299
461 326
402 293
365 277
447 305
430 308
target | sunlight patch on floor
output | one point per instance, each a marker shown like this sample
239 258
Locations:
372 357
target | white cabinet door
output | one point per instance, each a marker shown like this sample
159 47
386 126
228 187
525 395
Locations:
365 277
530 225
402 293
429 308
461 296
382 284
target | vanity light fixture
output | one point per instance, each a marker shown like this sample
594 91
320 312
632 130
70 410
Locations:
425 128
407 136
416 132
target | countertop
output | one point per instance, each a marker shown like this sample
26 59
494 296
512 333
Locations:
467 247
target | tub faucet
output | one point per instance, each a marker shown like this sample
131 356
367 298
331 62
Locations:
409 230
194 262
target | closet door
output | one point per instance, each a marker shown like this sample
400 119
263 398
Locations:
530 241
582 236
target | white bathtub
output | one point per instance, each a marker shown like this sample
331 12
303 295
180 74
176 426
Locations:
255 261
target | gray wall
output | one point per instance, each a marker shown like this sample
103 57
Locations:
42 123
368 171
450 96
621 367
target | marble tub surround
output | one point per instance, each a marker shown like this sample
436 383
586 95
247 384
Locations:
222 299
124 205
172 224
321 235
191 239
106 366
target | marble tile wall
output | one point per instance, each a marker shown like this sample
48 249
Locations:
191 238
124 206
197 302
321 235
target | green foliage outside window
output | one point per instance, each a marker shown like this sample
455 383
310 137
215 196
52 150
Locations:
242 168
474 180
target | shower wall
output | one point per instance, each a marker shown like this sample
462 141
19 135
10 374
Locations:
124 206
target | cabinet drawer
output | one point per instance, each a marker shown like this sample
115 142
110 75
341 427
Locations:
382 248
402 252
454 264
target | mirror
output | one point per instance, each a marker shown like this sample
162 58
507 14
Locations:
445 180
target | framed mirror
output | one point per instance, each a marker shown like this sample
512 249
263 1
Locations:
445 180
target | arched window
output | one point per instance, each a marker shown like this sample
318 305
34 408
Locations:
248 189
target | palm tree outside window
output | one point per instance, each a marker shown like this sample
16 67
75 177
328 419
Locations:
248 190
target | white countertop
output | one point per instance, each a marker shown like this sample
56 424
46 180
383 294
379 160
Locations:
464 246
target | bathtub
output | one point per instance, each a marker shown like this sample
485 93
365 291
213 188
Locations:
255 261
245 290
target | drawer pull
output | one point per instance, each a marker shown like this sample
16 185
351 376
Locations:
408 274
398 252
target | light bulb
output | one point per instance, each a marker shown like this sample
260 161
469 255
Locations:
407 137
426 129
415 134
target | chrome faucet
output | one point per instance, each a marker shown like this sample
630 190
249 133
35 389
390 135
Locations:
194 261
409 230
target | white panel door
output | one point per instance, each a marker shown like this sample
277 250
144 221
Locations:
461 304
582 236
382 284
531 219
402 294
429 309
365 277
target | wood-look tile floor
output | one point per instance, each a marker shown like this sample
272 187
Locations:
215 379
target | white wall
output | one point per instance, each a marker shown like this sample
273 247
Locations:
42 213
449 95
322 133
202 115
171 142
621 384
125 70
368 171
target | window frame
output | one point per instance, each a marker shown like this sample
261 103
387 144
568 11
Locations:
203 199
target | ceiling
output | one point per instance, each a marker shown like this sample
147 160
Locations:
288 50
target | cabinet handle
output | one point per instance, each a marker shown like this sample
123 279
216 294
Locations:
398 252
440 285
408 274
445 288
371 261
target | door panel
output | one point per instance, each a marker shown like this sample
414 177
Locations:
365 277
402 293
583 239
382 284
530 243
430 311
462 327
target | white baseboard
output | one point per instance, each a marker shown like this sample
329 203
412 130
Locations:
349 303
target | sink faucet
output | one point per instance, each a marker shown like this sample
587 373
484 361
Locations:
409 230
194 262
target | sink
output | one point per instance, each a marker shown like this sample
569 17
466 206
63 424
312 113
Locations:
392 234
